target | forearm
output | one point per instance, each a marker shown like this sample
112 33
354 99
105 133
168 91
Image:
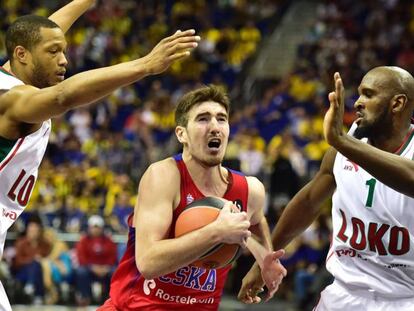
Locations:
92 85
168 255
68 14
262 233
394 171
302 210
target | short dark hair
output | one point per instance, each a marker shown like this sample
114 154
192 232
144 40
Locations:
25 31
207 93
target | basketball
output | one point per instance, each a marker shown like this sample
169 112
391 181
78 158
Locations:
197 215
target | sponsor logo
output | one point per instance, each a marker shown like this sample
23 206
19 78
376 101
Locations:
148 286
188 300
9 214
189 199
351 166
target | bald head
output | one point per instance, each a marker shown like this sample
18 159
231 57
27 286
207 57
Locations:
394 80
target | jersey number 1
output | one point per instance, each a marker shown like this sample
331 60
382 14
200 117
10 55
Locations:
24 191
371 184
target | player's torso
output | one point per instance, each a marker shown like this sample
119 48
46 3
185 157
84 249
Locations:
189 287
18 172
19 163
373 238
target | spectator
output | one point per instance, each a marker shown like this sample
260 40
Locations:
26 267
97 256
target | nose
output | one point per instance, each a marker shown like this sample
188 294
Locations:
63 61
358 104
214 125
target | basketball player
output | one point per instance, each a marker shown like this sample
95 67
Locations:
34 91
370 173
154 273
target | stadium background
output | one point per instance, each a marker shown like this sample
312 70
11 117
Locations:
275 58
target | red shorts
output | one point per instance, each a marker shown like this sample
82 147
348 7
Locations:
107 306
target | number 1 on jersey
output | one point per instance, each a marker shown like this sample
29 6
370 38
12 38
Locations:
371 187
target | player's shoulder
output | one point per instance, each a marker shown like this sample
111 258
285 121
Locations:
165 169
254 182
9 96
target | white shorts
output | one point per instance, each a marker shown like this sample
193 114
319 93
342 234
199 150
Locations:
336 297
4 301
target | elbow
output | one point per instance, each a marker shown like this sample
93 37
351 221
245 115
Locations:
146 269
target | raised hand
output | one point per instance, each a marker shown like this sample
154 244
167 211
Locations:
171 49
333 122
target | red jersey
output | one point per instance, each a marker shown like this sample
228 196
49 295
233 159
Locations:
188 288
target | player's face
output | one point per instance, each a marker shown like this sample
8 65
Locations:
372 107
48 58
207 133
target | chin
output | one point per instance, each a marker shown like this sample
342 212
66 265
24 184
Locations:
213 160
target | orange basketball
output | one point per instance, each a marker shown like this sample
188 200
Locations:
195 216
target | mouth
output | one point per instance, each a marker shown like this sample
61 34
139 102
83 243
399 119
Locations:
359 118
61 75
214 144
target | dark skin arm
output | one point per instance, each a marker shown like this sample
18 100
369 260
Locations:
89 86
301 211
394 171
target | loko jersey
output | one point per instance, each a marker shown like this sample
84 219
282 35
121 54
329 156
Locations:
373 238
188 288
19 163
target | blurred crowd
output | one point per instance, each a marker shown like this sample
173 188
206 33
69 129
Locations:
87 182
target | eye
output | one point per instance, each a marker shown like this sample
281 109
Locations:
368 93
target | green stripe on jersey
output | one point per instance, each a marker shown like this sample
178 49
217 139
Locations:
5 146
5 71
407 142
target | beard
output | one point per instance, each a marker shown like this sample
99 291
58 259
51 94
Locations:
375 128
40 77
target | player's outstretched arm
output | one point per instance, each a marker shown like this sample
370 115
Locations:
31 105
66 16
301 211
394 171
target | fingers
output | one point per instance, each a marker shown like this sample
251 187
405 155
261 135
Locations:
278 254
249 296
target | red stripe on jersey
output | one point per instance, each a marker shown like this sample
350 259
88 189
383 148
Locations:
7 160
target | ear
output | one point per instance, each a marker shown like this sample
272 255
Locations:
181 134
399 103
21 54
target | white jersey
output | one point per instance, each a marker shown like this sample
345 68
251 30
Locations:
19 164
373 230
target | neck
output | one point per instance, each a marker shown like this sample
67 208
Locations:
391 140
211 180
19 73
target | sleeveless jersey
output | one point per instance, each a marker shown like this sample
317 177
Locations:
188 288
373 230
19 163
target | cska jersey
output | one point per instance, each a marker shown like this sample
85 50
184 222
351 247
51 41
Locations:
188 288
19 163
373 238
